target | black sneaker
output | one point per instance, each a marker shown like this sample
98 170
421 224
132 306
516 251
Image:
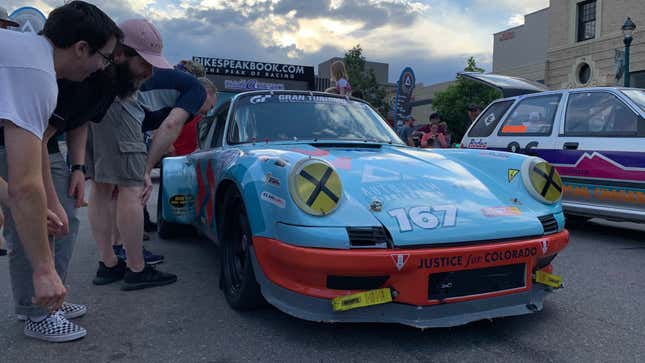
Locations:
148 277
107 275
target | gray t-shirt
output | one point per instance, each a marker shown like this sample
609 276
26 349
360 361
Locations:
28 88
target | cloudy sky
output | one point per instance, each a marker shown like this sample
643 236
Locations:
434 37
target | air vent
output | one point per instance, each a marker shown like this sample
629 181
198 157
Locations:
549 223
367 237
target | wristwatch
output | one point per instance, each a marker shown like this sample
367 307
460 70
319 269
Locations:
80 167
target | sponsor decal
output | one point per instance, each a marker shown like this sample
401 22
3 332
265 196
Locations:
271 180
300 98
400 260
501 211
441 216
512 173
545 246
429 263
477 144
180 201
251 84
234 67
605 194
495 154
273 199
259 99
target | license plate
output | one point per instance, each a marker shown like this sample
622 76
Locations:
548 279
361 299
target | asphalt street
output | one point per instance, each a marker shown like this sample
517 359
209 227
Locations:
598 317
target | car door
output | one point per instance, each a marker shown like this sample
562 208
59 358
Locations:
210 136
600 153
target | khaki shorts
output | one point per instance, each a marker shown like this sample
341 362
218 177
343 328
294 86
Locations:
116 152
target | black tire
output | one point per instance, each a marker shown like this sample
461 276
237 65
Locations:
169 230
238 282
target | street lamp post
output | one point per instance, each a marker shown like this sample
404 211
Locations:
628 30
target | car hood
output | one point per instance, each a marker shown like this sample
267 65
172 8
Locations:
469 203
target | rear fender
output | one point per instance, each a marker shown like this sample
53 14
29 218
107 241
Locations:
178 190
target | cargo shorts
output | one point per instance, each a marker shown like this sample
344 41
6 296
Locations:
116 151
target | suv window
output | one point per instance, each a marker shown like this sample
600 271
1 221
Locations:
532 116
599 114
487 121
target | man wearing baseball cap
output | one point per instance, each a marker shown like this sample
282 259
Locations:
5 21
116 163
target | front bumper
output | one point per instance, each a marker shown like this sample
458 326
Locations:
294 279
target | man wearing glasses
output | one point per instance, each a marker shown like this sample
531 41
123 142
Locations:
76 40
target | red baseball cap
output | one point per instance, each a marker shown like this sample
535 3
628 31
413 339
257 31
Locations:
142 36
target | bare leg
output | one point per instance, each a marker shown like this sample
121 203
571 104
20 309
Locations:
101 212
129 219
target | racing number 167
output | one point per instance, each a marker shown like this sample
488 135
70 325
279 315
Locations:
424 218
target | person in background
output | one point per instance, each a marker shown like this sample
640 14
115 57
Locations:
473 111
339 76
436 137
447 137
434 118
5 23
406 131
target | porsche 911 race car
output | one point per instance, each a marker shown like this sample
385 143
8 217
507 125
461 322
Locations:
321 210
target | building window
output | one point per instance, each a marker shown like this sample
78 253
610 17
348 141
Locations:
586 20
584 73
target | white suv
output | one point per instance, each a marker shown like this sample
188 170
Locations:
594 136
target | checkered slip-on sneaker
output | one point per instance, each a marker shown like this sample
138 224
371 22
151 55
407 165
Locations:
55 328
69 310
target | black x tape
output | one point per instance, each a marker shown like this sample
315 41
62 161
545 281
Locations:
549 180
320 186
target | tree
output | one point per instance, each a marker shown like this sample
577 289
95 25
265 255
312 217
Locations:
452 103
365 80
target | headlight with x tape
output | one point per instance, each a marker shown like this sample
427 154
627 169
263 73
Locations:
315 187
542 180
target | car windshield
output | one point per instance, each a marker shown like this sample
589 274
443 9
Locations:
293 117
637 95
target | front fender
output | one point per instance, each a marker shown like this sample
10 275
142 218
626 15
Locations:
177 190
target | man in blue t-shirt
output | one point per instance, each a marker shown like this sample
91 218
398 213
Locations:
163 103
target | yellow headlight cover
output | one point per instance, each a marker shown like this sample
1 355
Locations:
315 187
542 180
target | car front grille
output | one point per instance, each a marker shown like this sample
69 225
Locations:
445 285
549 224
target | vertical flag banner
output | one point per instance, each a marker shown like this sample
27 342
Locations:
405 86
30 19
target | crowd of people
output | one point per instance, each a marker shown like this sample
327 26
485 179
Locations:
104 87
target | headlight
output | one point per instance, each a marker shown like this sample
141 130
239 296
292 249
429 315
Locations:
542 180
315 187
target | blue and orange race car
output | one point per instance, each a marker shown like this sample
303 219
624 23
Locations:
321 210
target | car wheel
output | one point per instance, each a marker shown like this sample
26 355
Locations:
169 230
238 279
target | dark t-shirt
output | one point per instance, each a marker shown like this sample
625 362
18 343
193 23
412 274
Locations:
80 102
167 89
